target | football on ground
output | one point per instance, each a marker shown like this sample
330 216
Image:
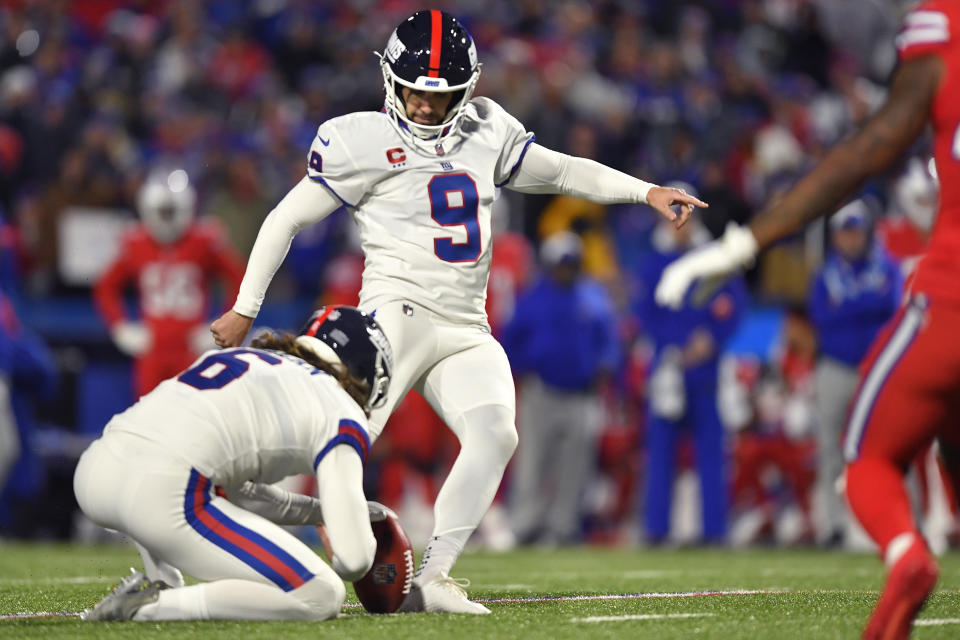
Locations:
384 587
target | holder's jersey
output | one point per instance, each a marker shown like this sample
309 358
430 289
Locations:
423 210
934 29
248 414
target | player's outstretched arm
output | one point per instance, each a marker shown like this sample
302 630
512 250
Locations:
872 149
276 504
876 146
308 202
546 171
345 512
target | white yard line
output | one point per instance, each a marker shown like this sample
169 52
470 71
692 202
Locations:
646 616
935 622
40 614
640 596
61 580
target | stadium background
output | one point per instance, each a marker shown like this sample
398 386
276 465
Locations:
737 98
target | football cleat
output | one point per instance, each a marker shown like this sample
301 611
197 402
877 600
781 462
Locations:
442 594
133 592
908 584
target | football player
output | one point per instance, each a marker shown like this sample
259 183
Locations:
420 178
172 259
910 380
186 473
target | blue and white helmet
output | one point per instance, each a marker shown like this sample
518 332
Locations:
347 335
429 51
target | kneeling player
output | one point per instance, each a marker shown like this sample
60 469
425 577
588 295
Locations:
185 472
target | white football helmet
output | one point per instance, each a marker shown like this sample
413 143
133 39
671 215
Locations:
916 193
167 205
429 51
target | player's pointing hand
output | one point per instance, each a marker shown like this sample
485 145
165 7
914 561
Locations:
662 198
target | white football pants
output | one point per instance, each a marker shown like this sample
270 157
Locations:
252 569
463 372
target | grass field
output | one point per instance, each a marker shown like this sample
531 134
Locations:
785 594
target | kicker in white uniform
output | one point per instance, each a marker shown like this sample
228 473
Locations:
420 178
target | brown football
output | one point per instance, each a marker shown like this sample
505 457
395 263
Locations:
384 587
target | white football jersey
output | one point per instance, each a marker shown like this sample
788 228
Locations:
423 211
248 414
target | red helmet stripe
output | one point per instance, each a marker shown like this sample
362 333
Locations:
436 31
315 325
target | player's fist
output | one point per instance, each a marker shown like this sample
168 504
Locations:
388 582
230 329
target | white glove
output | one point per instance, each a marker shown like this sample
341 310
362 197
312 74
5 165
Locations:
132 338
667 394
379 512
201 340
736 249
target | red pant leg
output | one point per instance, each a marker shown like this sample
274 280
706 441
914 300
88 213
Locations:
906 397
908 386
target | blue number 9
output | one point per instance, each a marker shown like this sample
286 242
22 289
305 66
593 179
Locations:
454 202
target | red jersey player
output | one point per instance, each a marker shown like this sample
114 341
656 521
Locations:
909 389
172 260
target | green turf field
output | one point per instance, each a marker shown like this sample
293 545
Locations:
802 594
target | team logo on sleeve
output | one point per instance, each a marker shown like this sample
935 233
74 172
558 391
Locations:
397 157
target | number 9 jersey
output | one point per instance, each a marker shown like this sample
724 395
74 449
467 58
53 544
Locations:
423 208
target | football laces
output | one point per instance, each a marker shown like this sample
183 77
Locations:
408 581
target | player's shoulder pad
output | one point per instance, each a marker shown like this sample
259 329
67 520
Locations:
928 27
348 153
350 138
485 112
135 234
210 230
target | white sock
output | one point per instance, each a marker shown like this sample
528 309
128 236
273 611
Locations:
898 546
441 554
225 600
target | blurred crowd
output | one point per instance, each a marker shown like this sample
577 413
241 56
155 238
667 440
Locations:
620 405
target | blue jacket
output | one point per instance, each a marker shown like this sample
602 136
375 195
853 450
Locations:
851 301
565 335
30 369
667 327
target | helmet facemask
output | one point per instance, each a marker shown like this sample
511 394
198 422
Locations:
396 106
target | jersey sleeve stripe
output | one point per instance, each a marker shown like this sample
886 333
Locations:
254 550
924 35
926 19
516 165
330 189
351 434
